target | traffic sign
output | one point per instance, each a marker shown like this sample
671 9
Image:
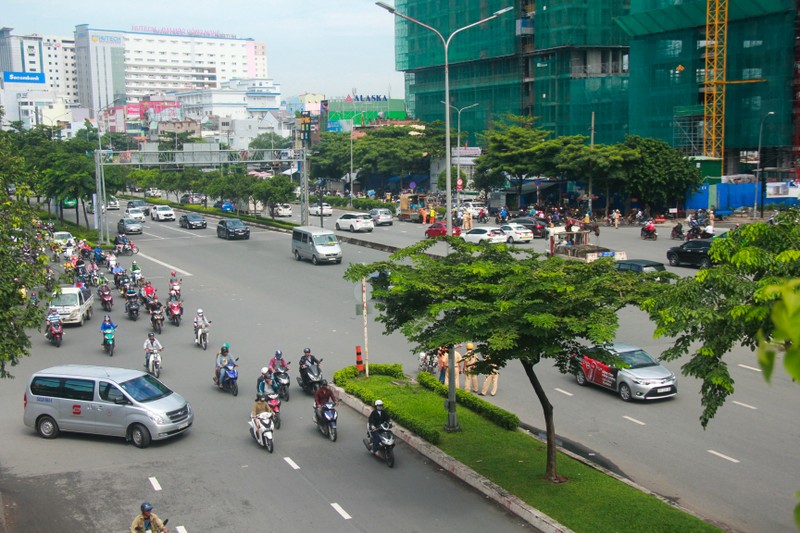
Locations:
459 184
537 182
412 185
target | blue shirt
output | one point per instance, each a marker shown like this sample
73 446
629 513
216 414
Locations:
106 326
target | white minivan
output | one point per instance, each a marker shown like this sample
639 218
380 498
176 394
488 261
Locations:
111 401
319 245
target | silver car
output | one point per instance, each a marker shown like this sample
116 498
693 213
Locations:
628 370
381 217
129 225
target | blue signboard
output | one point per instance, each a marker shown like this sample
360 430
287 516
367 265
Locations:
23 77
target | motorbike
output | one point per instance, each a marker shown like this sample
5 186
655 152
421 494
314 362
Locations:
483 218
231 381
136 278
154 363
175 290
326 417
649 235
99 256
106 300
124 283
281 381
157 319
677 233
56 253
108 341
175 312
694 233
201 337
428 362
385 442
132 308
314 373
261 428
94 279
55 333
129 249
274 402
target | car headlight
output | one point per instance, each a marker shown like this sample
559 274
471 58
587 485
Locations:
189 408
156 418
641 381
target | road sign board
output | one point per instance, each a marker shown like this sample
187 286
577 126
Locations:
412 185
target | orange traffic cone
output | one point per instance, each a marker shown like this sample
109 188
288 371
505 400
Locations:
359 360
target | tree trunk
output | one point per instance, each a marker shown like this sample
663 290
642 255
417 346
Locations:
551 474
608 198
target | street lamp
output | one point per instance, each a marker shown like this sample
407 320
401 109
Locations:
352 129
452 420
458 142
759 179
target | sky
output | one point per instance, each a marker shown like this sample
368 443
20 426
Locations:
334 47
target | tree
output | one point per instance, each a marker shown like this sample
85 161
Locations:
273 191
441 179
233 183
270 141
511 303
332 156
170 141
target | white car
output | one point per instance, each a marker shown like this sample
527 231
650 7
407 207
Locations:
517 233
475 208
63 237
162 212
355 222
485 234
113 204
152 192
135 213
283 210
326 209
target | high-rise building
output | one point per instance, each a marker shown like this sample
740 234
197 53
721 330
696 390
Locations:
115 67
51 55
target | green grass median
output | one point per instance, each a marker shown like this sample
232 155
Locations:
590 501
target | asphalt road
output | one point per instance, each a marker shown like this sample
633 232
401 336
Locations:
215 477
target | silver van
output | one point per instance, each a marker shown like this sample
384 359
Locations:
105 401
320 245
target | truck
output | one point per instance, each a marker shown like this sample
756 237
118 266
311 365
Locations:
410 204
498 199
74 304
570 242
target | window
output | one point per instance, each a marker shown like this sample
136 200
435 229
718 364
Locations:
79 389
109 392
43 386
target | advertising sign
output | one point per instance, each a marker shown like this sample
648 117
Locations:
23 77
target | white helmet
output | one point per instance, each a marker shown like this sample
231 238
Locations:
200 312
264 370
379 404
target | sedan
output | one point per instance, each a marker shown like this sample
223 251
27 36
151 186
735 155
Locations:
627 370
192 220
162 212
226 206
283 210
517 233
63 237
485 234
113 204
537 225
325 209
355 222
232 228
381 217
691 252
135 212
129 225
440 228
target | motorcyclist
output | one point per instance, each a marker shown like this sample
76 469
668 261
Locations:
223 357
136 271
155 307
52 319
120 241
260 406
130 296
377 417
504 214
276 362
200 321
649 228
117 271
151 344
323 395
305 360
92 267
263 382
99 255
106 325
677 230
147 521
708 231
174 285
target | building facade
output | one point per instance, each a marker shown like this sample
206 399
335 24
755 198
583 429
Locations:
51 55
237 99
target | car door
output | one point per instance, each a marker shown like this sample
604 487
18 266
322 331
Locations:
109 415
75 409
691 252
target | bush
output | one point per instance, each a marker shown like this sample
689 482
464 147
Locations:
361 204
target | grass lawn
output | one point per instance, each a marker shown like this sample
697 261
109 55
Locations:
589 501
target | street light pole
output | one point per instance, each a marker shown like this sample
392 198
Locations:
352 129
452 420
458 142
759 182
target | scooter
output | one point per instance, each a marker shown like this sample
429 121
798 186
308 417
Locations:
174 312
157 319
281 381
649 235
55 333
154 363
108 342
201 337
274 402
175 290
385 442
326 416
106 300
136 276
261 428
230 383
677 233
314 373
132 308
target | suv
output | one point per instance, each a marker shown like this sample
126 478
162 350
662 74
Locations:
381 216
162 212
691 252
141 204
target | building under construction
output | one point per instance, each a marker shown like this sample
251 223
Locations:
702 75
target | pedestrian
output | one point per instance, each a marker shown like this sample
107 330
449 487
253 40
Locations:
467 224
458 367
432 217
441 357
490 380
616 218
470 378
711 217
423 214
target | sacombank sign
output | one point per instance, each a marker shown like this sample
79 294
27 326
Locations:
23 77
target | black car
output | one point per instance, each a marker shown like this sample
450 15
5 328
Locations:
141 204
692 252
192 220
639 265
537 225
232 228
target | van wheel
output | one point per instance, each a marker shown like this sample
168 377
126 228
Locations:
140 436
314 260
297 255
47 428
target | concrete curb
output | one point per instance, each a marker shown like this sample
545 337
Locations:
506 500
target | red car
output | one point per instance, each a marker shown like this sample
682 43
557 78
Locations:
440 228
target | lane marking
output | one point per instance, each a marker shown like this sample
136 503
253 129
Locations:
341 511
162 263
731 459
154 482
745 405
750 368
291 463
634 420
153 235
564 392
180 529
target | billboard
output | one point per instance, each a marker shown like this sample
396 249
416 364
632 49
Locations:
23 77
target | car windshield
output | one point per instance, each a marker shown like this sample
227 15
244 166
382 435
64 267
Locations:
146 388
130 221
235 223
638 359
62 236
164 208
653 268
325 240
194 217
65 300
134 211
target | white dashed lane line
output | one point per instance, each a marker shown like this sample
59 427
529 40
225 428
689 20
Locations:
180 529
291 463
341 511
754 369
562 391
167 265
740 404
723 456
634 420
154 482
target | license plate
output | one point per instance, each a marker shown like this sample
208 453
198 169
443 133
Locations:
664 389
184 425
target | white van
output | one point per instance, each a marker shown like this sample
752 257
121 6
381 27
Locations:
74 305
104 401
319 245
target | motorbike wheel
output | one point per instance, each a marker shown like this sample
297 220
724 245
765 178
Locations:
58 342
388 453
204 341
158 326
157 371
178 321
270 446
332 434
277 419
235 388
285 393
111 350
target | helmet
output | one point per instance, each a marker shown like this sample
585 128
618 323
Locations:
379 404
278 354
172 274
200 312
306 350
324 383
155 298
470 346
106 318
146 507
264 370
225 348
151 335
134 262
261 398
